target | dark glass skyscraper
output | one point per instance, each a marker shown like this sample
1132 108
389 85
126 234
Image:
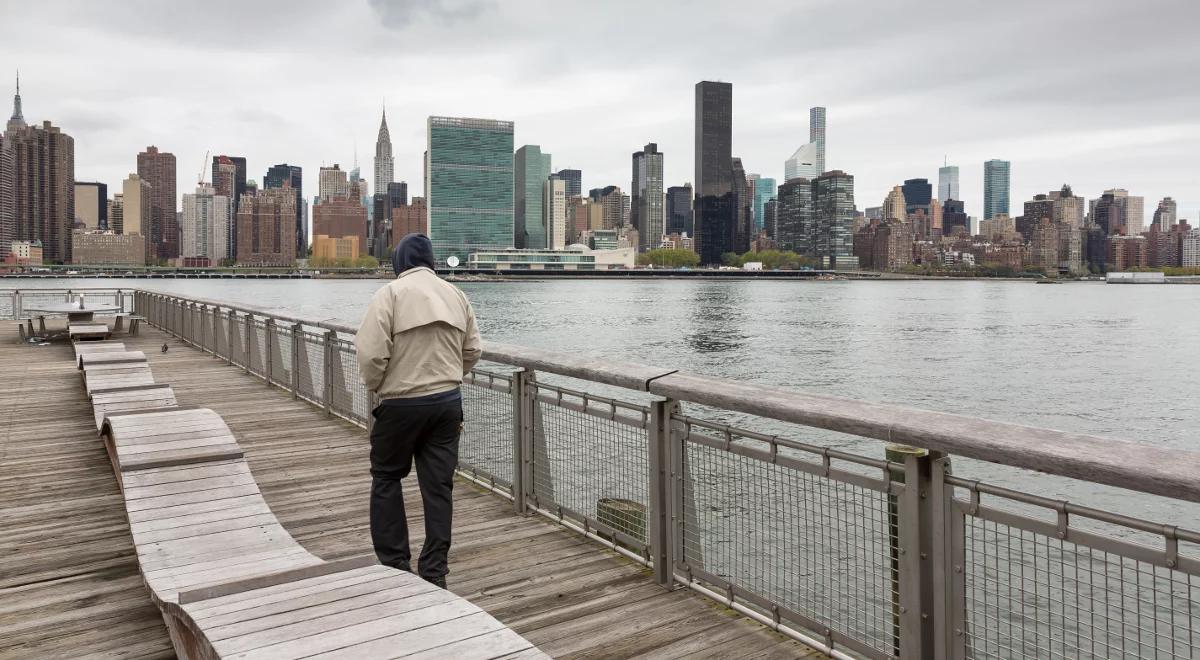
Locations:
715 208
397 192
742 204
293 176
574 179
531 168
679 210
954 214
918 193
794 216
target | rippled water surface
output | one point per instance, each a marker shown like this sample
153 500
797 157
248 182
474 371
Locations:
1119 361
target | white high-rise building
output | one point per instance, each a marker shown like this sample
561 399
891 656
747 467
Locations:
816 135
1190 254
385 164
803 163
332 183
1133 210
948 182
204 229
554 212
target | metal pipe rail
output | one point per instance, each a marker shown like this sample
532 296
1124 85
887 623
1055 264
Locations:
851 554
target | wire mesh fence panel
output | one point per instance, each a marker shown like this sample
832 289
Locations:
813 546
1029 595
281 355
311 360
212 329
485 449
221 342
350 397
236 336
257 361
592 468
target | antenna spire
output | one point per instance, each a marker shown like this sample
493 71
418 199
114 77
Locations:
17 120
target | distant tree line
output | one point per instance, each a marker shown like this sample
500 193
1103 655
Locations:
770 259
669 258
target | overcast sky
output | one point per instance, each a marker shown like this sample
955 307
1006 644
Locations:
1096 93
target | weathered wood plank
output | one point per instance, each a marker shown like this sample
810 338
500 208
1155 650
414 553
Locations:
297 597
346 628
492 644
111 357
317 485
424 638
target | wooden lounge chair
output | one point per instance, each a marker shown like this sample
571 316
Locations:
350 612
88 331
128 399
230 581
81 347
111 376
143 439
111 357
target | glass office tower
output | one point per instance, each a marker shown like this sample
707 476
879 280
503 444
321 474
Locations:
995 188
469 190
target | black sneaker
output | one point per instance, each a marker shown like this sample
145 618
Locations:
439 581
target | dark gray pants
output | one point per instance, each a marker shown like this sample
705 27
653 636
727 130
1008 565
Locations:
427 434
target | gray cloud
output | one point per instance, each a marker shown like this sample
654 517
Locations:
404 13
1093 93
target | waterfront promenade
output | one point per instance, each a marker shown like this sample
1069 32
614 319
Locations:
662 479
69 581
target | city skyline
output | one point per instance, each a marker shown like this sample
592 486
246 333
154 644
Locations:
1077 134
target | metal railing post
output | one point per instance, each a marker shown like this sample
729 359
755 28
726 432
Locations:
17 304
661 533
268 344
522 440
297 346
913 554
232 332
948 560
327 369
216 331
187 322
202 308
121 301
247 353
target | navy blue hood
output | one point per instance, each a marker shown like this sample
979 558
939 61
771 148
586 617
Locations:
414 251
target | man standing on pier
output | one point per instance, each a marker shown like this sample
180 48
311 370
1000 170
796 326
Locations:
416 342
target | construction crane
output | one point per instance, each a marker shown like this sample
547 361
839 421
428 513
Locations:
203 166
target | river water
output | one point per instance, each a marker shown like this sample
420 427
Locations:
1119 361
1113 361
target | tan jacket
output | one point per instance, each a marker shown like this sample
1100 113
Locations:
418 337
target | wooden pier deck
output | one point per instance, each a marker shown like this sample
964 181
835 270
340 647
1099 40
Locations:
69 582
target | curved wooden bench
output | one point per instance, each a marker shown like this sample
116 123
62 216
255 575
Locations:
111 357
131 399
147 439
227 577
110 376
84 331
352 612
84 347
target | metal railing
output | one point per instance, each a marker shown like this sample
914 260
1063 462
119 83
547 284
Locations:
15 302
854 555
